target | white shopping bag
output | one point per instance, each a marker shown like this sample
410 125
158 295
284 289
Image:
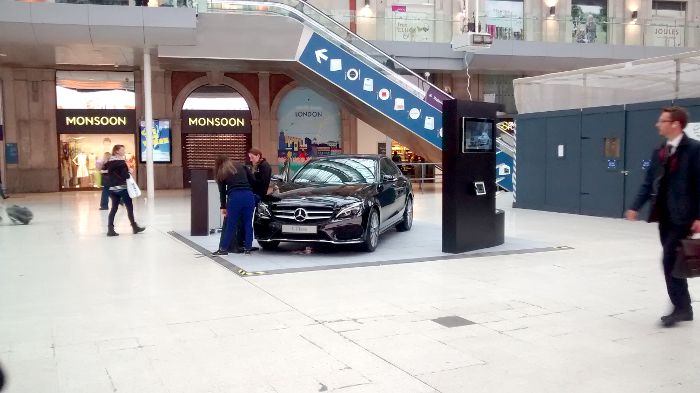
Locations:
132 188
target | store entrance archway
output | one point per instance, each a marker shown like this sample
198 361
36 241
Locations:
214 120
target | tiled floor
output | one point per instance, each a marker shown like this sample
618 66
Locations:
83 313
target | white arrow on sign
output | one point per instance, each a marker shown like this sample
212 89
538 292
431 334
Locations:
321 55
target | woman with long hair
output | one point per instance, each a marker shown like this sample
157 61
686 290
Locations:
118 172
237 201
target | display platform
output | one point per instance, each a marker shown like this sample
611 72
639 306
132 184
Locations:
420 244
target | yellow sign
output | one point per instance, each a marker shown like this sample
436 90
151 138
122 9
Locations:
217 121
96 121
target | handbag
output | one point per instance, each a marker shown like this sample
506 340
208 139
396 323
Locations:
687 263
132 188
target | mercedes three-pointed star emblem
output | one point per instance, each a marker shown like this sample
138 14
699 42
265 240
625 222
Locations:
300 215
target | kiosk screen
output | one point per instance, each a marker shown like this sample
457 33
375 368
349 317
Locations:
477 135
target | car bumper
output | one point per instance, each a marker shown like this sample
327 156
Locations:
348 231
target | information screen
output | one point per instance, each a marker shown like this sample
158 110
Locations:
477 135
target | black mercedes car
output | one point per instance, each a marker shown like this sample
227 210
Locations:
348 199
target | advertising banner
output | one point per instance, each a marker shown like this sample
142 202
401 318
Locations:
373 88
309 126
589 18
162 146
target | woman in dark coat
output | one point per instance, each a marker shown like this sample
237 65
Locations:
237 202
118 172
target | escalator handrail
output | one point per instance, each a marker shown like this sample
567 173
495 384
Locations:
292 9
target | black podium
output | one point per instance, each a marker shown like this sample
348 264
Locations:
470 220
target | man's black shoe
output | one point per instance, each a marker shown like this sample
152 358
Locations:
677 316
220 252
254 249
235 250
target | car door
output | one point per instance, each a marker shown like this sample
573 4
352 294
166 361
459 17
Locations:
388 192
403 185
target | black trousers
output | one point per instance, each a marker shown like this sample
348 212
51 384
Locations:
117 196
677 288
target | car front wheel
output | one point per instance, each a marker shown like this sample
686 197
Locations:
371 232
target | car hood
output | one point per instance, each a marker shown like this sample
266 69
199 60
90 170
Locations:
322 194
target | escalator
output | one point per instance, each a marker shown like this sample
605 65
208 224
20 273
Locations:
322 53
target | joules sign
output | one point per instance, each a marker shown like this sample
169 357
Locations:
215 122
94 121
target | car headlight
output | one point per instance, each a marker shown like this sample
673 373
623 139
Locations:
264 210
349 211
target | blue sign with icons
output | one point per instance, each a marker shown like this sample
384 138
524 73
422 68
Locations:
376 90
646 164
504 170
612 164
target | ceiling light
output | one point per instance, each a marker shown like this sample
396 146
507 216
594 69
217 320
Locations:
3 54
366 3
634 16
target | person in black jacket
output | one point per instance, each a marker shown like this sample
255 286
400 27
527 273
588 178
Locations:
235 180
262 172
118 172
672 184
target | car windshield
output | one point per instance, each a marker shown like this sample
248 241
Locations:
338 171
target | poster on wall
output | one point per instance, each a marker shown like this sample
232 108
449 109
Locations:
412 22
162 148
309 126
11 153
504 19
589 18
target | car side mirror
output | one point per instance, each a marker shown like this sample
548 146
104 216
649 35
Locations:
280 178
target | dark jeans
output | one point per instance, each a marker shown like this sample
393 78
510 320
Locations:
677 288
239 207
116 196
239 234
104 198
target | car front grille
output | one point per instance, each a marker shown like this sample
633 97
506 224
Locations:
302 214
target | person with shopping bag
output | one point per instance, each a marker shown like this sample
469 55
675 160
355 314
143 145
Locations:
121 184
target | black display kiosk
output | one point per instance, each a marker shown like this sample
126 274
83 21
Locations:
470 220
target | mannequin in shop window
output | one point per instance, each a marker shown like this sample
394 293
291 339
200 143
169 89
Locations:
80 160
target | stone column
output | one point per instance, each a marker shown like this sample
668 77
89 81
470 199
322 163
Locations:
30 121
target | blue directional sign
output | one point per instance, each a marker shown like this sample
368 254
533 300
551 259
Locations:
376 90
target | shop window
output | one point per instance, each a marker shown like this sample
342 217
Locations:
82 156
667 24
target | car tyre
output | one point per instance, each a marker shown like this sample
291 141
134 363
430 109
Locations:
407 222
371 232
269 245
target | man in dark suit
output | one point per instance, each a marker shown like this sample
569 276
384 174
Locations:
672 184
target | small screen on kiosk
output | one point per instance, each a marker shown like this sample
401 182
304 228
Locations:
477 135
